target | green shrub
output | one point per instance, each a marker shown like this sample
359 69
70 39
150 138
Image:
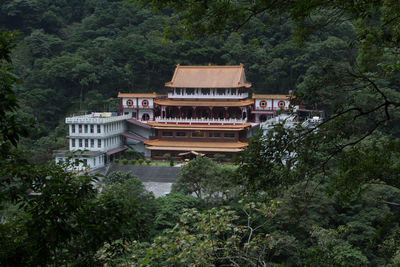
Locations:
140 161
116 161
171 162
148 161
219 157
133 154
124 161
133 161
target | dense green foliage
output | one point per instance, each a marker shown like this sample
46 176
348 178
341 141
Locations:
325 196
78 62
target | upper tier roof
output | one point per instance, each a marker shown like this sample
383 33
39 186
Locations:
208 77
148 95
255 96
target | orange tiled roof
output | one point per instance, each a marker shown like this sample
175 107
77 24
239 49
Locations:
255 96
170 126
208 77
202 103
153 95
194 146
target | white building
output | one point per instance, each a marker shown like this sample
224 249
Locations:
93 140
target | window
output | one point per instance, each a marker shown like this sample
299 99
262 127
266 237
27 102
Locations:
145 103
80 128
91 142
73 128
281 104
98 129
92 128
220 91
229 135
99 143
94 161
76 162
86 128
181 134
213 135
198 134
189 91
126 112
166 133
86 142
85 162
72 142
129 103
80 142
205 91
263 103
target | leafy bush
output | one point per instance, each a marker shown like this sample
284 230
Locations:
125 161
170 208
219 157
116 161
117 177
141 161
133 161
133 154
148 161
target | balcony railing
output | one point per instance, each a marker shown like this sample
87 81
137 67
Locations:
208 96
96 120
200 121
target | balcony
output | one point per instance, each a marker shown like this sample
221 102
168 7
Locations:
209 96
207 121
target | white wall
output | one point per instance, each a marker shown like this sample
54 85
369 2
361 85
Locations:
272 104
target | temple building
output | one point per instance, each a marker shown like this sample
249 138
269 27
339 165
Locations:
207 110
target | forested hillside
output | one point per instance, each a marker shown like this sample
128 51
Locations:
74 56
323 196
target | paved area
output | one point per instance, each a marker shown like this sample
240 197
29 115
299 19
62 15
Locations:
157 179
158 189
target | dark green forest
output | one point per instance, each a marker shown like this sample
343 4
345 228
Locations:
326 196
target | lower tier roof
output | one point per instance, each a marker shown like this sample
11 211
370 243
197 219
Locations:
195 146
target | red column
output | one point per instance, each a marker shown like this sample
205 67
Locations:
226 113
180 112
137 108
194 112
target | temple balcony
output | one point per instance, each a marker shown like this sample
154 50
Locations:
208 96
209 121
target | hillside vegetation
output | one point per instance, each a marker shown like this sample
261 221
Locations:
325 196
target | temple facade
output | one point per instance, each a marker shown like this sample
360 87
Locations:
208 110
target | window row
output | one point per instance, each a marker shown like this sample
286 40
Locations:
85 143
199 134
85 128
94 128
